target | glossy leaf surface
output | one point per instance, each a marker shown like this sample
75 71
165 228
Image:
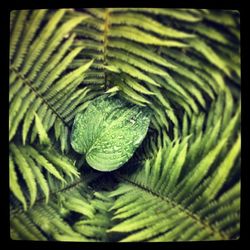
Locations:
109 131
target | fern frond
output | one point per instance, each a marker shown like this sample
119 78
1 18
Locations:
177 14
43 136
21 18
52 220
183 183
26 172
210 55
29 33
139 50
62 162
223 170
31 163
41 40
56 72
14 185
137 35
148 24
200 171
137 62
43 161
32 91
38 175
24 230
200 83
168 176
53 44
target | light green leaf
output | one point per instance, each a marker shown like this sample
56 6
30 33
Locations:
137 35
26 172
14 185
43 162
223 171
43 136
109 132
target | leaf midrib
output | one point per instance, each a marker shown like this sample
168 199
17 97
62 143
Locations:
172 203
29 84
106 129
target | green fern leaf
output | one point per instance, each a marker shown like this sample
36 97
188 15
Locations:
182 181
14 185
137 35
26 172
223 170
43 162
43 136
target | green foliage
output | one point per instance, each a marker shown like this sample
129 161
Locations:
32 163
109 131
54 220
42 93
183 181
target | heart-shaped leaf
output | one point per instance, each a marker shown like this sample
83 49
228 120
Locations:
109 131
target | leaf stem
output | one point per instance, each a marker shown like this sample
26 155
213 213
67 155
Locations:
29 84
195 217
105 43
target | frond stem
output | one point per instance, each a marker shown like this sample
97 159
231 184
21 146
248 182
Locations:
105 43
195 217
71 185
29 84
